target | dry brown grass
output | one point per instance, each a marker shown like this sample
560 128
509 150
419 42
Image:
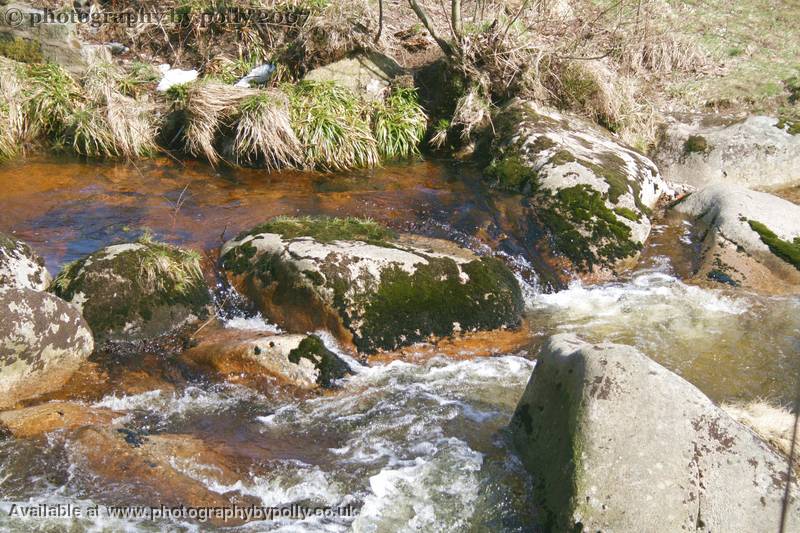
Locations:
264 133
12 116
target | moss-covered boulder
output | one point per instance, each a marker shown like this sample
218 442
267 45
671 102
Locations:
591 194
258 359
43 340
20 266
136 290
750 239
367 285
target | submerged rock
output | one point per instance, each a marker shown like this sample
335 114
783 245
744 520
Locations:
20 266
35 421
300 360
591 194
752 238
616 442
365 74
43 340
136 290
756 152
358 280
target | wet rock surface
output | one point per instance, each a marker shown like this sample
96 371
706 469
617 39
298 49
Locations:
756 152
34 421
43 340
592 195
20 266
616 442
751 237
136 290
358 281
296 359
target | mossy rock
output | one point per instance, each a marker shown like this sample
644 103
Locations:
370 287
136 290
590 194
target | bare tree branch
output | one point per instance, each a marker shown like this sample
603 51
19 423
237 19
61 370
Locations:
446 46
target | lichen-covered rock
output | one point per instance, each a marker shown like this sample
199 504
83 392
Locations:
592 195
366 285
300 360
752 239
136 290
21 267
43 340
616 442
365 74
755 152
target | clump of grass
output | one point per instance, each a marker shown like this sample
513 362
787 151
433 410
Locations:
399 124
439 137
12 115
333 125
164 267
137 78
54 96
473 111
205 105
788 251
264 132
90 134
124 122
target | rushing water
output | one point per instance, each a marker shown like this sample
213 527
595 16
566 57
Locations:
410 447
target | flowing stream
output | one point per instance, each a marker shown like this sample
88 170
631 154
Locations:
409 446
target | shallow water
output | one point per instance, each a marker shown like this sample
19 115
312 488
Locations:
411 447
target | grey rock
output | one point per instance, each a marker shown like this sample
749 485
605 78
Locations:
20 266
257 76
617 443
754 152
367 74
43 340
733 247
592 193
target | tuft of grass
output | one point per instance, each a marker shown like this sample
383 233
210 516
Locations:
163 266
205 106
439 137
54 97
90 133
399 124
264 132
788 251
325 229
12 114
333 125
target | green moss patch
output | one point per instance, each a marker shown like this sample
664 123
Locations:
408 308
695 144
329 366
22 50
584 229
788 251
325 229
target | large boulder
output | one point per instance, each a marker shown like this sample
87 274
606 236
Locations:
752 238
591 194
49 34
756 151
136 290
21 267
247 356
367 74
43 340
366 285
616 442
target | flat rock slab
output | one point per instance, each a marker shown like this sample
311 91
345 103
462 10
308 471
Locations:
617 443
756 152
